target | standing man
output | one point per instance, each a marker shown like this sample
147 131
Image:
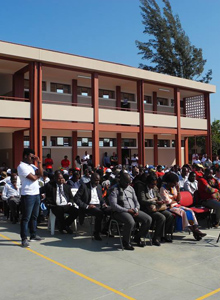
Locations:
84 161
30 195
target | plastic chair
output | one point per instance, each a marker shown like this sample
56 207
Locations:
52 221
188 201
118 224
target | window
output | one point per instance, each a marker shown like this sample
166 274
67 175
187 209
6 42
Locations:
44 141
44 86
60 88
128 143
84 91
84 142
174 143
147 99
162 101
149 143
60 141
107 142
127 97
181 103
27 141
26 85
164 143
106 94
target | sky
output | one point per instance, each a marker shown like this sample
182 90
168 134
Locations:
107 29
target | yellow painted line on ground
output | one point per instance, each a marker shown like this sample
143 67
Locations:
71 270
209 294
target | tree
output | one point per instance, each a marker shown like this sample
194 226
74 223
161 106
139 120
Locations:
215 135
168 49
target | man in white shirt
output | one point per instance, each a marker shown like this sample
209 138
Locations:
84 160
30 196
11 194
89 199
134 161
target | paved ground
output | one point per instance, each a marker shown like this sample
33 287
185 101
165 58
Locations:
68 267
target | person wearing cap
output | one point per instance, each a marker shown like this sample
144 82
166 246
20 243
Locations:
13 172
30 195
198 169
107 176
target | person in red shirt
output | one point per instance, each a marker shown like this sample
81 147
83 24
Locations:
159 171
65 163
49 164
209 193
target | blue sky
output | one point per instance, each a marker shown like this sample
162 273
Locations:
107 29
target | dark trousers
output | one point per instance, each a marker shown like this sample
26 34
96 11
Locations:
60 211
163 223
30 210
14 204
129 223
98 214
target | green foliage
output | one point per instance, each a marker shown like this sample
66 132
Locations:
168 49
215 135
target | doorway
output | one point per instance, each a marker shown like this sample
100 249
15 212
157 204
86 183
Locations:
124 153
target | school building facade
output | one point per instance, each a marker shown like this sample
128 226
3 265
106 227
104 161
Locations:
64 104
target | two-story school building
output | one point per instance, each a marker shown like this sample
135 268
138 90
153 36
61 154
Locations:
64 104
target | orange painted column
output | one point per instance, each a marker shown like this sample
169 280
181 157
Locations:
208 117
95 132
74 91
39 117
155 150
74 147
118 97
141 134
186 150
155 136
119 148
17 147
155 102
35 91
178 135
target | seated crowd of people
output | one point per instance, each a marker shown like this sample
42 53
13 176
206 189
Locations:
140 198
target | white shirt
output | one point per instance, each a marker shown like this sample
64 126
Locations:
28 187
8 180
10 191
134 161
60 197
85 158
94 196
